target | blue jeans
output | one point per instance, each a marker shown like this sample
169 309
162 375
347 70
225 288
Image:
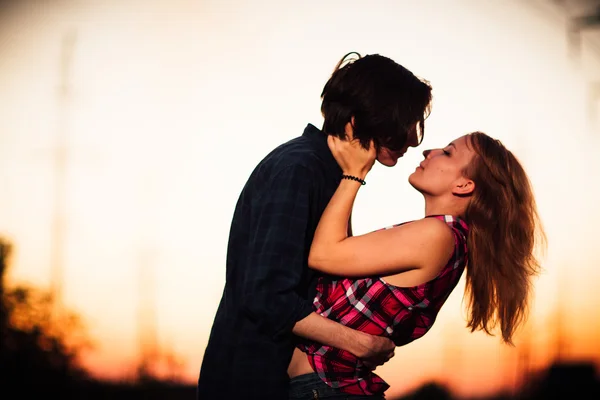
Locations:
311 387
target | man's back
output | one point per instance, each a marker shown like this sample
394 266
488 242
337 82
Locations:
268 282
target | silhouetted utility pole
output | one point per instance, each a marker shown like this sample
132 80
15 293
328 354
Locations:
147 325
61 155
5 249
560 338
594 100
583 19
524 357
586 22
147 335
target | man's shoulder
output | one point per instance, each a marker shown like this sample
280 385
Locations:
304 159
299 148
299 152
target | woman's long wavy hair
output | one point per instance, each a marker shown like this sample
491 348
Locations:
505 233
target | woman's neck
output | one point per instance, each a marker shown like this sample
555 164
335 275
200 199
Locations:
445 206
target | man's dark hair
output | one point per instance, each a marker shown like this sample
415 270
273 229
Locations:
387 101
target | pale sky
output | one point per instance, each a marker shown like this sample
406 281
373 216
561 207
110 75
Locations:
173 103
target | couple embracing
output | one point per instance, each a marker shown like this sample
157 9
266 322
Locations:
308 310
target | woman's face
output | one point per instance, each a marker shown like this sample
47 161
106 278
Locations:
441 172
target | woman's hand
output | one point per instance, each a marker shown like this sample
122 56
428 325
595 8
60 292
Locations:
352 158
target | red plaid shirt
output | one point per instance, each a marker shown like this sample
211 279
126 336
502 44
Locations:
371 305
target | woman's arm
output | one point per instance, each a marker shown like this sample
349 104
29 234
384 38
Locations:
426 243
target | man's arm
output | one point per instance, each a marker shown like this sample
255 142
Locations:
373 350
277 252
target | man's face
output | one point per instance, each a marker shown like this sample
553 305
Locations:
389 156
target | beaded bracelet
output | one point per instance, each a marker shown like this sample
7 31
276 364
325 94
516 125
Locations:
354 178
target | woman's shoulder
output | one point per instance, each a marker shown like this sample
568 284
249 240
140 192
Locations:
451 220
426 221
435 225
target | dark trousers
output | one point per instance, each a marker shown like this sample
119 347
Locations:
311 387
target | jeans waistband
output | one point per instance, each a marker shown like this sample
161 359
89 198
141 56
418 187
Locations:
311 387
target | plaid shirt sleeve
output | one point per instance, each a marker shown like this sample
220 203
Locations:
280 220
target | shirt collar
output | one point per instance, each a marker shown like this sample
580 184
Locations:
320 138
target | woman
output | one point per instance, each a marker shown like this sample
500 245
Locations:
480 213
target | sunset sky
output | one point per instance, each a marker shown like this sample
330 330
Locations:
172 103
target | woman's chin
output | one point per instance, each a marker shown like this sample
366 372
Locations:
414 181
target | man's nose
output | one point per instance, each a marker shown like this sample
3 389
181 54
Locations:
413 141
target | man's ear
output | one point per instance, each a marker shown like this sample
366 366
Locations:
463 187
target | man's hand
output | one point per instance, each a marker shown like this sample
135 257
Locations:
374 350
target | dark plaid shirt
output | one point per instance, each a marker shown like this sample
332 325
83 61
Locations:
371 305
269 286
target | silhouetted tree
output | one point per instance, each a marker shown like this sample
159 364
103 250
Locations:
39 343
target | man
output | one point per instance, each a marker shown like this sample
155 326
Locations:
266 305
